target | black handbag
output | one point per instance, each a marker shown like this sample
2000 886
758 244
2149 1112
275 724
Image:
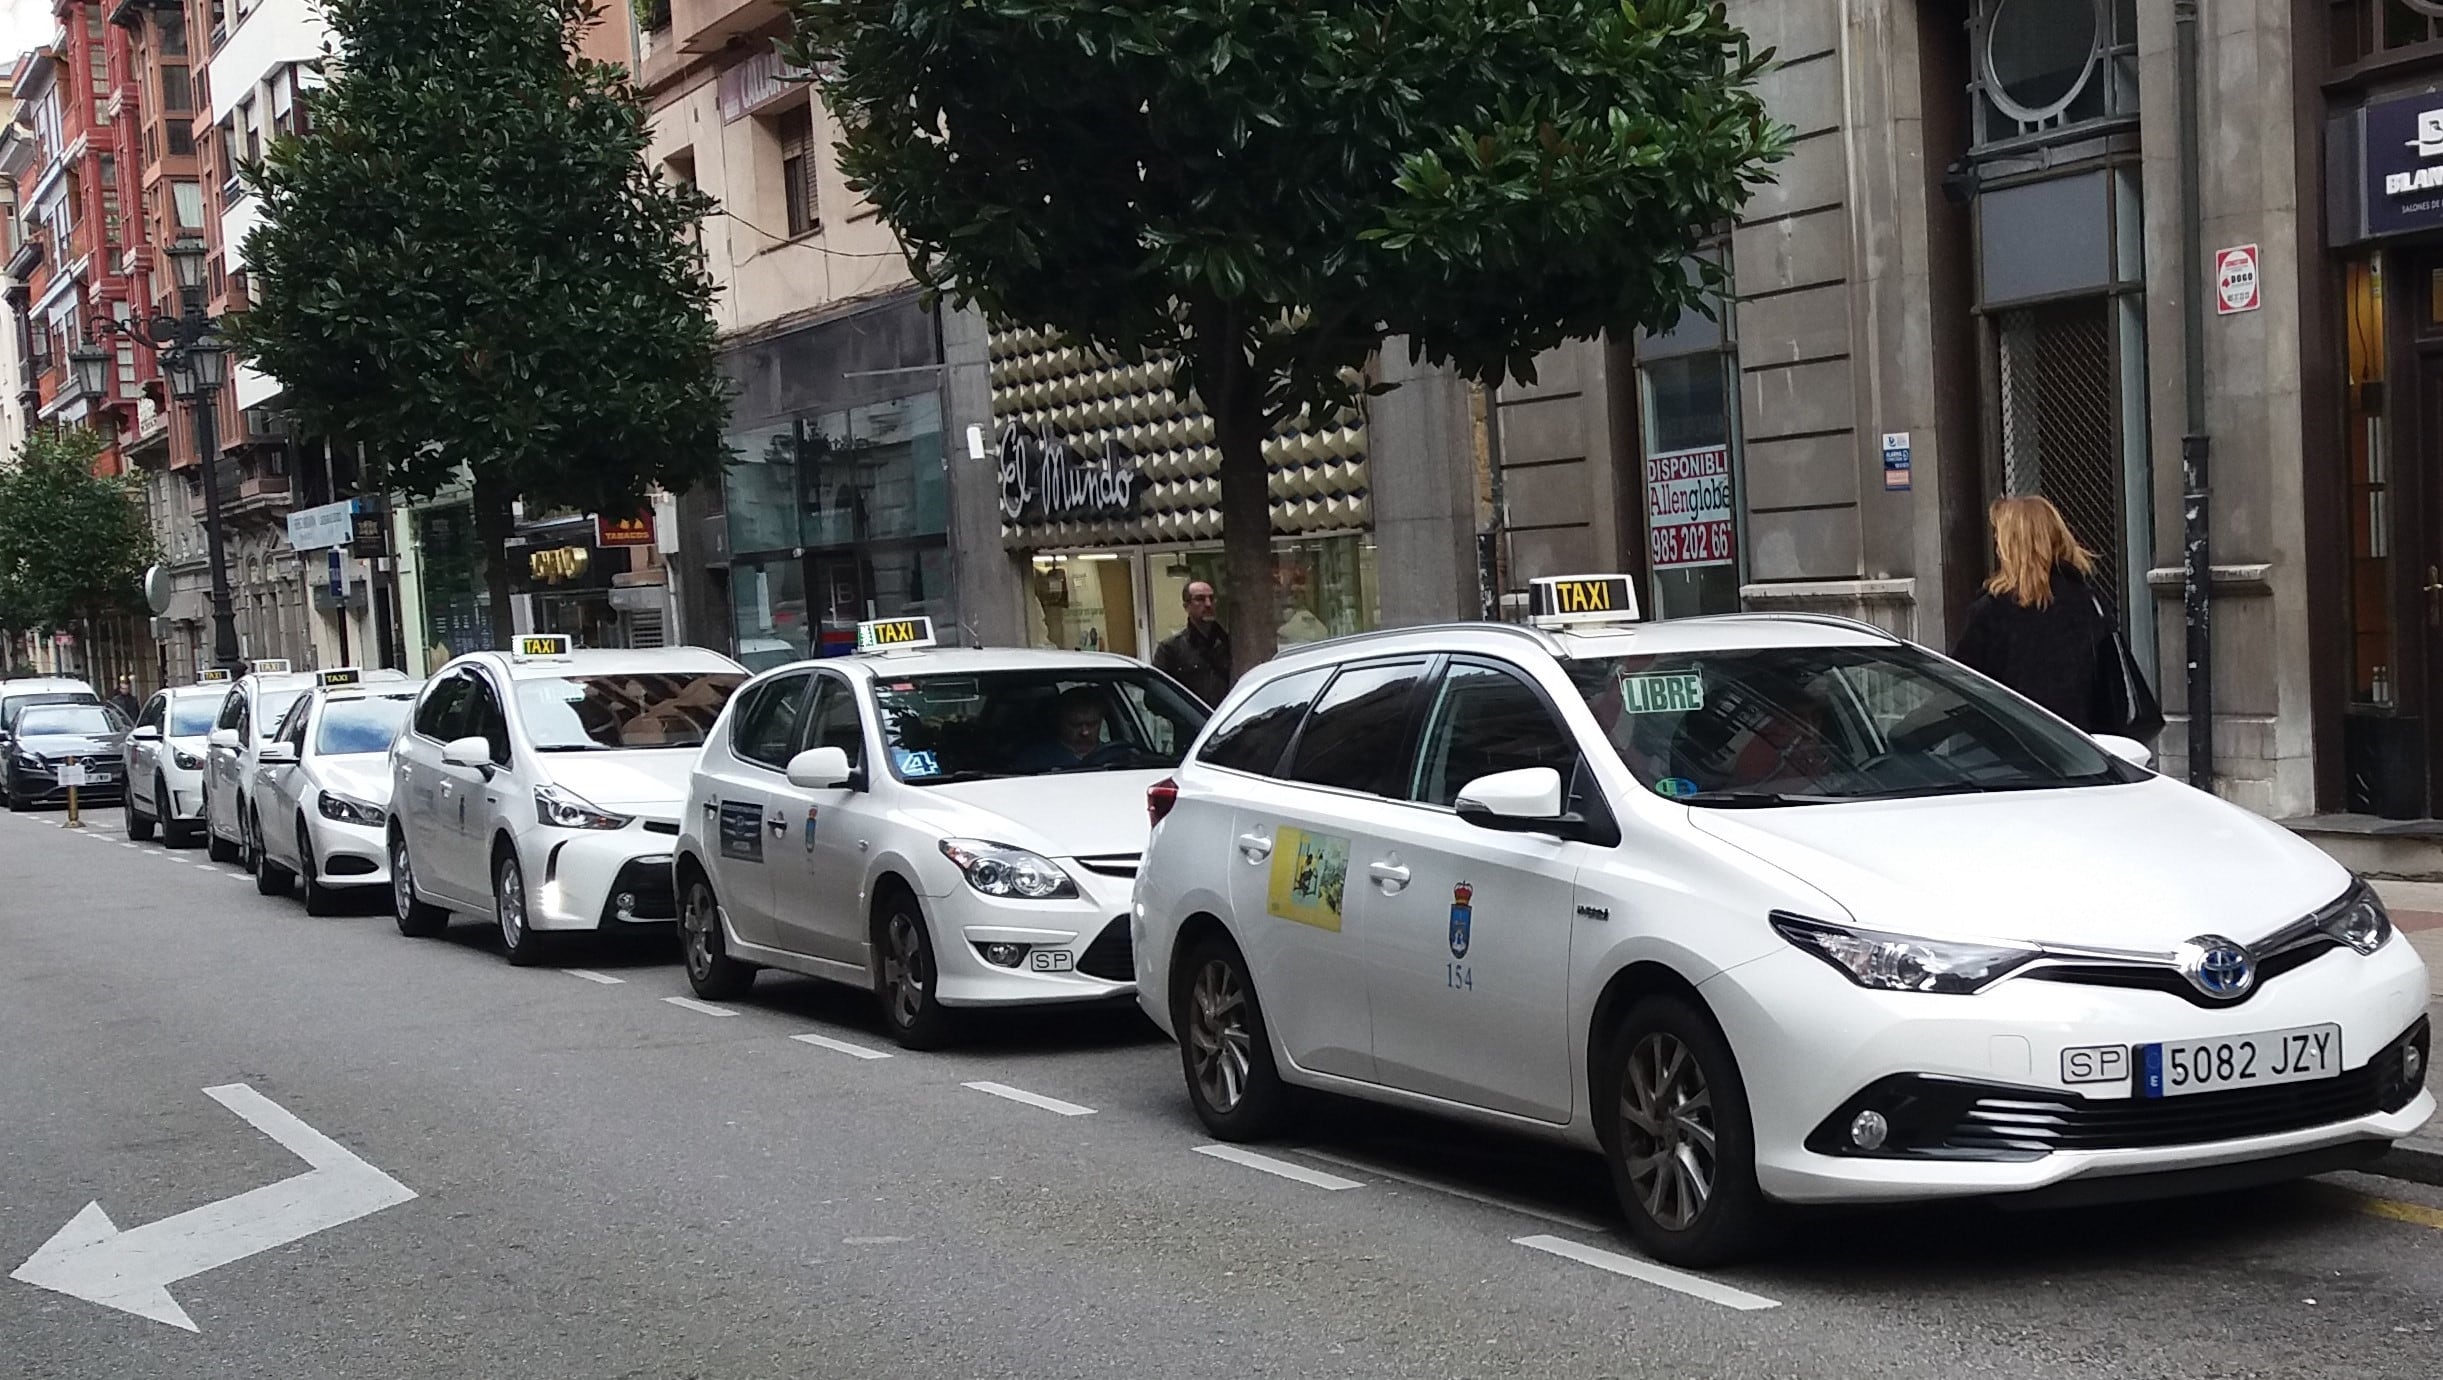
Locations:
2142 713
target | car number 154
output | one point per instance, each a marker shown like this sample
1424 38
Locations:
2178 1067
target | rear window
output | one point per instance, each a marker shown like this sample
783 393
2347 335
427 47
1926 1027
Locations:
645 710
1258 730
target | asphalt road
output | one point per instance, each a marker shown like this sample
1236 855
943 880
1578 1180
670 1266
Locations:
610 1183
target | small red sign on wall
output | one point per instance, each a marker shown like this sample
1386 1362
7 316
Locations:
2238 283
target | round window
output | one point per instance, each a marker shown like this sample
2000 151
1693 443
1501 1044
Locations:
2039 54
2433 7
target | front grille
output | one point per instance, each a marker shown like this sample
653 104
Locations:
1111 865
1111 956
2154 977
650 886
1947 1118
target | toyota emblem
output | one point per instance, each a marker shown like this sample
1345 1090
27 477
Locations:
2220 968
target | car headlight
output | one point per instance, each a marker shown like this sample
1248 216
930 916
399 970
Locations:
1899 963
187 761
347 811
2359 921
999 870
31 759
563 810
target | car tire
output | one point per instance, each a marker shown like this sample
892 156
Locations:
713 974
906 977
1225 1049
139 824
250 839
519 943
270 878
173 833
417 919
319 899
1672 1113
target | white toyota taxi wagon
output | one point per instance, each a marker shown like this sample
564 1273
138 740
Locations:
1769 910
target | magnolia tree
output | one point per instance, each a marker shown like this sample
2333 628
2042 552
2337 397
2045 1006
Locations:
1266 190
73 544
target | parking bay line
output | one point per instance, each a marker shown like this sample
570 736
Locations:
1049 1104
1558 1219
1313 1178
2390 1209
591 976
691 1004
842 1047
1696 1286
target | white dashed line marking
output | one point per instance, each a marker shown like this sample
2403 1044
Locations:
1695 1286
1313 1178
706 1007
1049 1104
842 1047
1558 1219
591 976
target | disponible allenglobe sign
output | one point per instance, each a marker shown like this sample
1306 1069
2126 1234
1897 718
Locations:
1688 508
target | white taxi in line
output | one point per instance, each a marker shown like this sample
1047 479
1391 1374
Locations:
540 788
1767 909
165 759
952 828
321 797
252 710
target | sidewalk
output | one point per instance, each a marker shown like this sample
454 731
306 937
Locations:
2417 910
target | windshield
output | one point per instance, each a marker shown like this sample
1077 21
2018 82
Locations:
15 705
646 710
361 725
79 720
1816 725
192 717
1032 723
271 707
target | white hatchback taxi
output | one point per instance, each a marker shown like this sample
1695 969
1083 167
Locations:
952 828
540 788
321 798
254 707
165 759
1768 910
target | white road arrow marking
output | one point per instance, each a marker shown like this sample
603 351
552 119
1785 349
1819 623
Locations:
91 1259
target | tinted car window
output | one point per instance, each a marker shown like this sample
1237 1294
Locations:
273 711
483 718
835 722
153 710
1253 737
233 711
1030 723
1486 720
766 727
1356 737
437 717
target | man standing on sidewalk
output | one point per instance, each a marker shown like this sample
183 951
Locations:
1198 655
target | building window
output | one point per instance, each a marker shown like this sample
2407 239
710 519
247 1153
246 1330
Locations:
2364 29
182 138
2041 66
177 91
795 131
1687 394
2372 681
170 32
188 198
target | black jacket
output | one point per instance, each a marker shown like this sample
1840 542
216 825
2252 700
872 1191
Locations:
2062 656
1201 663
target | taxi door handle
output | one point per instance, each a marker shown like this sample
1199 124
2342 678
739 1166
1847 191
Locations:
1256 847
1390 875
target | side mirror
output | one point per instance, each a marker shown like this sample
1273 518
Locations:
821 769
276 755
224 738
1527 801
2129 750
144 733
474 754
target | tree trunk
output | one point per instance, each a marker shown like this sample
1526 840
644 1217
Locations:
1234 398
492 531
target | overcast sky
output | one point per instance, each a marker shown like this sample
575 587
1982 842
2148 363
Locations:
23 24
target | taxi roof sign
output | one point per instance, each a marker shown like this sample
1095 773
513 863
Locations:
218 675
339 676
541 646
895 634
272 666
1563 601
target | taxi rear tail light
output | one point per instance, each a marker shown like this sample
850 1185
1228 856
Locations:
1159 798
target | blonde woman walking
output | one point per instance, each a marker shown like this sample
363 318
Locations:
2040 627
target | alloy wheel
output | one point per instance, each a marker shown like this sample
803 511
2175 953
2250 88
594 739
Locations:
509 897
904 972
1219 1040
402 880
695 929
1668 1137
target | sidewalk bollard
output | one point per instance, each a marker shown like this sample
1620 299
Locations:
73 821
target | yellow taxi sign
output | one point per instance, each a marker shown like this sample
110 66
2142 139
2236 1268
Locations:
339 676
272 666
1560 601
218 675
538 646
894 634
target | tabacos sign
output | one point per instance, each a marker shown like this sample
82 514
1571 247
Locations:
1051 480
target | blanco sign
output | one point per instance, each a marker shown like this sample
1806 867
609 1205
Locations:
2238 280
315 529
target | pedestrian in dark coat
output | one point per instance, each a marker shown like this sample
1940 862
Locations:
1198 655
2040 627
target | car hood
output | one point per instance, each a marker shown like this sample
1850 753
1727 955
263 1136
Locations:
69 745
1079 815
363 776
2142 867
651 781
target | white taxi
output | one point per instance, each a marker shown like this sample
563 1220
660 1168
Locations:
165 759
1766 909
951 828
321 799
252 710
540 788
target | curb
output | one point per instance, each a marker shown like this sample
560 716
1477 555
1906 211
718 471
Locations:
2418 1159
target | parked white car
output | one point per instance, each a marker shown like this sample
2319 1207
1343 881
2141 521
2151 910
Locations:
950 828
321 796
253 709
165 760
1767 910
540 788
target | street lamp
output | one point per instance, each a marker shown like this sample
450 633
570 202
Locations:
196 363
90 364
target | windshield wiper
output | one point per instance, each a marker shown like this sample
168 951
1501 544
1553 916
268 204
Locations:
1757 800
572 747
952 778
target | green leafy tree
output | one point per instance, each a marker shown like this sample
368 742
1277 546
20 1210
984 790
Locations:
1267 189
468 262
73 544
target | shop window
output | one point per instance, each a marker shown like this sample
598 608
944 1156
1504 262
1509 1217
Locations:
1687 399
2370 481
769 606
1085 603
2364 29
2042 66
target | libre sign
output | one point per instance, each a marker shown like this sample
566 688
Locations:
1688 512
2238 285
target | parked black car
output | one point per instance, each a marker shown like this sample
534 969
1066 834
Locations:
50 736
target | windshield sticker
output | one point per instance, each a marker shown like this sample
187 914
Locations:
1675 693
915 763
1675 787
1310 875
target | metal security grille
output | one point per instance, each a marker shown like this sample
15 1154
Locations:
2059 402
